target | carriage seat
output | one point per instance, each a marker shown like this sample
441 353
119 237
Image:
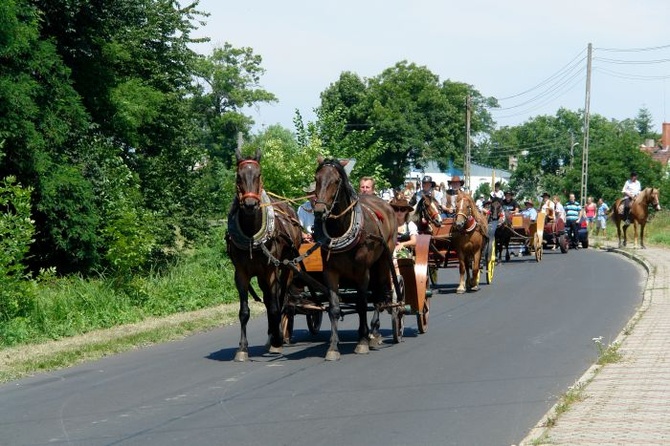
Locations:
520 221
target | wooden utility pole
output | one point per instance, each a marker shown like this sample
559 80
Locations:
466 169
585 147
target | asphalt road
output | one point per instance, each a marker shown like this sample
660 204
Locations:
491 364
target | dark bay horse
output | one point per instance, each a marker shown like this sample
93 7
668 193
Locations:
260 232
469 237
503 234
357 237
639 212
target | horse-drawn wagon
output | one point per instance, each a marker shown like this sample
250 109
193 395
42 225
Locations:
519 232
465 240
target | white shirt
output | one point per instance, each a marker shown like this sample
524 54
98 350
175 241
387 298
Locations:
306 216
498 194
631 188
560 211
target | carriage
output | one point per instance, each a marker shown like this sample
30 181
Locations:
308 295
443 235
519 232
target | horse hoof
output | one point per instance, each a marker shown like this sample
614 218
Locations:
275 350
475 288
241 357
460 290
362 349
332 355
375 340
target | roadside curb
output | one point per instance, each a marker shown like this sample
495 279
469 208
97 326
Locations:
542 428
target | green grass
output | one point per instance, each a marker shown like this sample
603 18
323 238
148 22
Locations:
657 231
65 307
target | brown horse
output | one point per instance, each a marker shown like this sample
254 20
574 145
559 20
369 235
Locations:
260 232
469 237
639 211
357 238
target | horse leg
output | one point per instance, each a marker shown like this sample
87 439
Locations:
334 313
462 270
635 241
475 270
242 285
271 293
642 235
363 346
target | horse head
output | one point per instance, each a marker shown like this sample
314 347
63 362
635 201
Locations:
653 200
465 213
248 181
496 210
333 190
430 210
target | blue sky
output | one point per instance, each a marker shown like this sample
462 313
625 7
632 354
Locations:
532 52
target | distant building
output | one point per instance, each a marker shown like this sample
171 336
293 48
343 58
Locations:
661 151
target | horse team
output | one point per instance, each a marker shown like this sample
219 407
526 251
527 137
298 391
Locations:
356 235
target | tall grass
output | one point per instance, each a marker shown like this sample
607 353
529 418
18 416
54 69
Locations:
657 231
74 305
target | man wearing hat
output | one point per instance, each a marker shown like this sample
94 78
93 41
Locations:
509 204
427 188
631 189
547 206
407 230
306 212
455 186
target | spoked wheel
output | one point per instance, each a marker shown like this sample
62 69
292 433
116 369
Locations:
286 327
397 315
563 243
314 319
490 263
422 317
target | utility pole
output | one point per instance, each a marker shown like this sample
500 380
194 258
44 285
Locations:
466 169
585 147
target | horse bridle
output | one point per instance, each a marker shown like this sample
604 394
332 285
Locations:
241 196
467 215
434 216
328 209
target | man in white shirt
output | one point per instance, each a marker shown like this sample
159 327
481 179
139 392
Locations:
631 189
306 213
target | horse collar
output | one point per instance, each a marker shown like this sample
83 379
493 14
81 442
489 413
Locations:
241 240
349 238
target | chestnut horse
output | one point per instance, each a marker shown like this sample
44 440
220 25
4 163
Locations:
357 237
469 237
260 232
639 211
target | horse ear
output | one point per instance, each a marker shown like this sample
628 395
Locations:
258 155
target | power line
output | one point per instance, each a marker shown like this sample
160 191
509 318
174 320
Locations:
633 50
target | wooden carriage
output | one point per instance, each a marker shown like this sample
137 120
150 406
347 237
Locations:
527 233
411 293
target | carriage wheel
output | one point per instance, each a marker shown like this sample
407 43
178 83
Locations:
314 319
422 318
538 247
397 314
490 263
563 243
286 327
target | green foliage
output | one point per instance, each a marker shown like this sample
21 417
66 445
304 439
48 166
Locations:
72 305
16 235
67 211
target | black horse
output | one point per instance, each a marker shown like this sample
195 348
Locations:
261 232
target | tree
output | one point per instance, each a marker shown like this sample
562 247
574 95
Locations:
644 123
228 81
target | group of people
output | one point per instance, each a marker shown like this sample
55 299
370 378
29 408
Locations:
572 213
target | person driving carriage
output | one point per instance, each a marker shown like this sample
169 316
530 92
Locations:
631 189
428 187
407 230
509 204
449 203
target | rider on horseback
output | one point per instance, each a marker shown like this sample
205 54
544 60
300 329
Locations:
631 189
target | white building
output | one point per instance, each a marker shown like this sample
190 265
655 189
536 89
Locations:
478 174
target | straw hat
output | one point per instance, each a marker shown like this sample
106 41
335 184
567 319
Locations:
400 203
